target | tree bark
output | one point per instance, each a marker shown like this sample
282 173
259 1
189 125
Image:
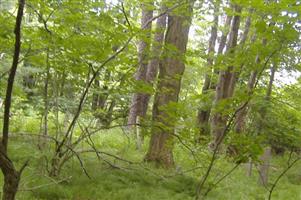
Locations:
265 158
203 113
240 119
143 50
223 89
153 65
11 175
171 69
203 116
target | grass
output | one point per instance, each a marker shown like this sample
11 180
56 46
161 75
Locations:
140 181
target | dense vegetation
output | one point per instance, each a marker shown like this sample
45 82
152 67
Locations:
150 99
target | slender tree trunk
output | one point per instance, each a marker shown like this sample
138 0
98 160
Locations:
240 119
153 65
46 103
265 158
171 69
203 116
242 114
143 50
11 175
223 89
203 113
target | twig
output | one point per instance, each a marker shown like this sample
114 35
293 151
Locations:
125 15
280 176
45 185
221 179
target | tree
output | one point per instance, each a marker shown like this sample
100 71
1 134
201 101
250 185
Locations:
11 175
171 69
138 106
203 113
224 88
265 158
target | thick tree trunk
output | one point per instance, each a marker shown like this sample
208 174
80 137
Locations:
223 89
11 175
171 70
137 105
203 113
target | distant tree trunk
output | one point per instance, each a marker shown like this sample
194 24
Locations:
265 158
223 90
100 99
28 81
223 38
11 175
171 69
46 103
152 70
242 114
143 50
203 116
153 65
240 119
203 113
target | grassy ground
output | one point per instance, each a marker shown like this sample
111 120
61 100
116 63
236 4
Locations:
141 181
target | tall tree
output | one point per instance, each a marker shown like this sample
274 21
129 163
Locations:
224 89
265 158
157 43
137 106
171 69
203 113
11 175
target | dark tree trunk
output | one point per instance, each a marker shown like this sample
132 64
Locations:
171 69
136 107
223 89
11 175
203 113
153 65
240 119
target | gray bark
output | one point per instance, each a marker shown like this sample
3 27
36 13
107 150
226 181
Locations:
265 158
203 113
136 107
223 89
171 69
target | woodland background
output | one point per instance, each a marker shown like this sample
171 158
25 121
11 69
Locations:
150 99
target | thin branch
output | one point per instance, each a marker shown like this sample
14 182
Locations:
125 15
280 176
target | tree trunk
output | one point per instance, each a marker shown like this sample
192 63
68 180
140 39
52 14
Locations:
203 113
264 167
203 116
223 89
171 69
153 65
44 130
11 175
143 50
265 158
239 124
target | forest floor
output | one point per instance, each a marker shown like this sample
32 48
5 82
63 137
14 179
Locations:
138 180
